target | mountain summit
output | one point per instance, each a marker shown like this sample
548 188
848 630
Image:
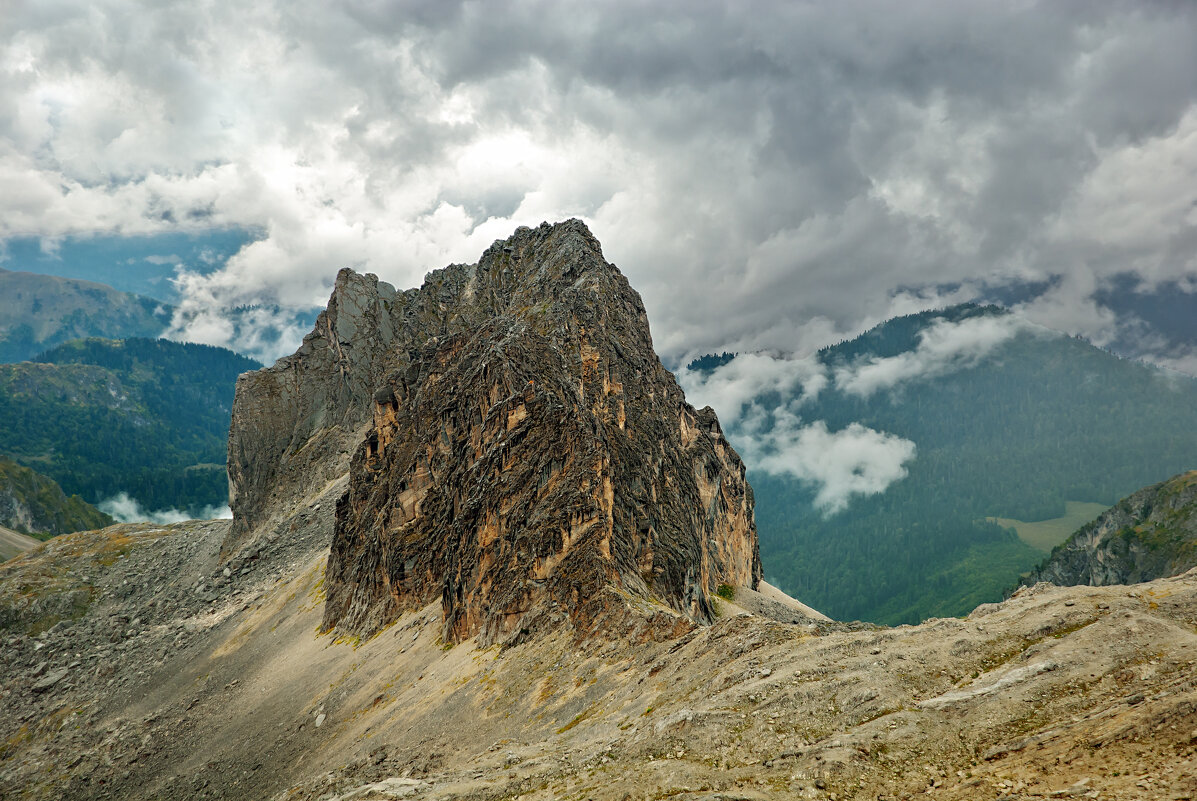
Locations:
521 454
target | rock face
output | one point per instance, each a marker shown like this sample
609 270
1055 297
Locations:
1148 535
529 458
294 425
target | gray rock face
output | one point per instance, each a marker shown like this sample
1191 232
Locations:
1148 535
47 682
294 425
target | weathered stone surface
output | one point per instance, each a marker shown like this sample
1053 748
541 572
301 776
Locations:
47 682
294 425
530 457
1148 535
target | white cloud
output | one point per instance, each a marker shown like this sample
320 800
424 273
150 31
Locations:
769 179
773 438
1069 305
944 347
732 386
125 509
840 464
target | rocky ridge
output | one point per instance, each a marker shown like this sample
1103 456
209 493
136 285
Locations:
531 459
1148 535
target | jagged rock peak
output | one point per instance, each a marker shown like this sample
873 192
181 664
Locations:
295 425
529 460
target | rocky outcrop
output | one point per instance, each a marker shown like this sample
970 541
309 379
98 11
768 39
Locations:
1148 535
294 425
529 458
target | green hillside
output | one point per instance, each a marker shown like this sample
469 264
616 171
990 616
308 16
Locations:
145 417
31 503
1040 420
38 312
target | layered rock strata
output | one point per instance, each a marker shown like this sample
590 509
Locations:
529 458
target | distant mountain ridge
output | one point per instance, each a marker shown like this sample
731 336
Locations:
1148 535
146 417
38 312
984 415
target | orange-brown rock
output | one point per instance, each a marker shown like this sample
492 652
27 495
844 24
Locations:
530 459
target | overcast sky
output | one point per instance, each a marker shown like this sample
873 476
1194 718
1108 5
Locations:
769 175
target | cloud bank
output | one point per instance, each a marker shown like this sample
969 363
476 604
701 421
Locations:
770 178
944 347
839 464
125 509
761 398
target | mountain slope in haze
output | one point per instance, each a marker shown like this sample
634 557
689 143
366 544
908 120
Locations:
145 417
876 462
38 312
34 504
1148 535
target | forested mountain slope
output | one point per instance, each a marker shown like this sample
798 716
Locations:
1148 535
146 417
38 312
876 462
31 503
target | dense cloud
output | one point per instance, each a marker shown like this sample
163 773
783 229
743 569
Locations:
772 176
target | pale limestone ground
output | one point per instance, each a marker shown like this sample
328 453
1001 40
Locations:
14 542
229 691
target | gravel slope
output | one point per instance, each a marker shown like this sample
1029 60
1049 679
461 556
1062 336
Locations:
135 668
14 542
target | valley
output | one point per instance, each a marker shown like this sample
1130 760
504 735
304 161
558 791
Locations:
144 417
1043 535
